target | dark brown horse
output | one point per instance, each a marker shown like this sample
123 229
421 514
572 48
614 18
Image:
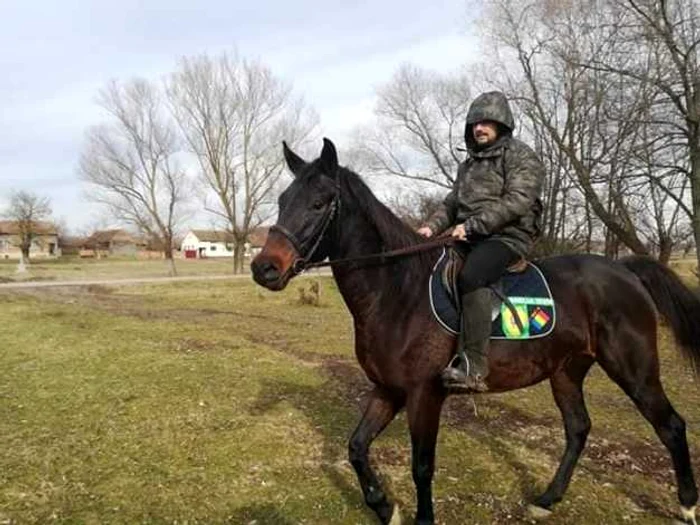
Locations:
607 314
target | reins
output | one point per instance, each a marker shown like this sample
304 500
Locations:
302 263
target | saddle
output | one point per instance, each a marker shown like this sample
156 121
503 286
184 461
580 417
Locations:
454 264
522 304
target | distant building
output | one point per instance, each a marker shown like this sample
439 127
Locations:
201 244
107 243
44 244
71 245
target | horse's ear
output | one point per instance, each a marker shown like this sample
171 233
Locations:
294 161
329 158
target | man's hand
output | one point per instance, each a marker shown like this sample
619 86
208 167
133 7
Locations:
460 232
425 231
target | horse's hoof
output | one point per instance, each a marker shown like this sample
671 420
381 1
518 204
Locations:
538 513
688 514
396 515
545 501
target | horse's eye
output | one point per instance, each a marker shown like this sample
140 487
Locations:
318 204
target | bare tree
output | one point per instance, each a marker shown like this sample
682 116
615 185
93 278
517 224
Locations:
566 224
234 115
414 208
28 210
662 188
419 131
670 31
132 163
597 118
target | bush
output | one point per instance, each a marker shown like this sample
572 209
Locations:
310 295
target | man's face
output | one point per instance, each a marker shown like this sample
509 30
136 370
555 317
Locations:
485 132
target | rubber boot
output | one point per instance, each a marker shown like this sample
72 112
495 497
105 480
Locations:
468 370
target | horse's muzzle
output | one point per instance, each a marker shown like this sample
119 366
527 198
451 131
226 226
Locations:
266 274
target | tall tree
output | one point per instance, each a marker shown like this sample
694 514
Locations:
670 32
132 164
234 115
27 210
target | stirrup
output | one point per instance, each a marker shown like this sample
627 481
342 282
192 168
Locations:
466 385
477 383
457 380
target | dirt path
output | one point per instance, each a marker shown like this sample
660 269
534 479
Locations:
120 282
135 280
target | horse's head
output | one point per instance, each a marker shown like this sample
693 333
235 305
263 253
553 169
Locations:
307 208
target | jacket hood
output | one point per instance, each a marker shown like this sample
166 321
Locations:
488 106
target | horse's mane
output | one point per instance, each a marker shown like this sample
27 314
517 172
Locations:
406 271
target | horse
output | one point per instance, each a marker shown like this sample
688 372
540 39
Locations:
607 314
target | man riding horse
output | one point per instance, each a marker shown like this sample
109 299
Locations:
495 205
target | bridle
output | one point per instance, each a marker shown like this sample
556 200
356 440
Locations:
302 262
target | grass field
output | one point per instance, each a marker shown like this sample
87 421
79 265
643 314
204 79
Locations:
220 402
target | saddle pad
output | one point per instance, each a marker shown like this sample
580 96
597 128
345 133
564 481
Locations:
528 293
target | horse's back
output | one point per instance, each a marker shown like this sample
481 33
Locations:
602 285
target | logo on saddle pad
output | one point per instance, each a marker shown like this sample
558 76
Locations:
522 306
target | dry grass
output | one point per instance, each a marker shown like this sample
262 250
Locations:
224 403
75 269
687 269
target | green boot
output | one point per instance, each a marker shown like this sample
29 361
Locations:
468 369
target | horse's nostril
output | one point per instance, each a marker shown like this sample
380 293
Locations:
269 272
264 272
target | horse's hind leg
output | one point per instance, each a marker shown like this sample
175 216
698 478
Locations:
380 410
567 389
633 364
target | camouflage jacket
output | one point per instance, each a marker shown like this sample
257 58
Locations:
497 190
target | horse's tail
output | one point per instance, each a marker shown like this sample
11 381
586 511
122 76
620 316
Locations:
674 300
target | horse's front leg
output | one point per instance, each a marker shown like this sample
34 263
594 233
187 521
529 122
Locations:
380 410
423 410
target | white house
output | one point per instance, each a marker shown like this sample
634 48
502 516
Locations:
200 244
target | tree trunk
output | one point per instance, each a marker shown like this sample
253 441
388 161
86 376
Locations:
695 192
665 249
694 154
168 254
238 252
610 244
589 229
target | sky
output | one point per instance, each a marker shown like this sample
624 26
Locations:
55 56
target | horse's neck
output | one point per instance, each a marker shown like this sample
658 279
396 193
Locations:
365 287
